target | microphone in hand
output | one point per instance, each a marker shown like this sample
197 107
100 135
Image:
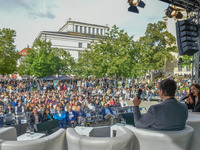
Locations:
139 93
191 94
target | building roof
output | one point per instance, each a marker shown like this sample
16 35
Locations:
24 52
83 23
68 34
72 34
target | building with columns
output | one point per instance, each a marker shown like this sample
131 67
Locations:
74 36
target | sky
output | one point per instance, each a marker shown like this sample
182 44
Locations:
29 17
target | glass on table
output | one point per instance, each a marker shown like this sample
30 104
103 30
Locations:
28 131
31 132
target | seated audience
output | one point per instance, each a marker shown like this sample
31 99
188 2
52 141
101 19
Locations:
1 102
117 104
28 107
71 117
123 103
9 109
1 121
80 115
35 117
19 108
47 116
91 106
108 114
1 109
59 115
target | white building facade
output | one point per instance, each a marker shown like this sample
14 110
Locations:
74 36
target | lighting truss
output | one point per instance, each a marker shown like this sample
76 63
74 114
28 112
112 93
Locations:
189 5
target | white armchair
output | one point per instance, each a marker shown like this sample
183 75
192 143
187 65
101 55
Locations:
123 141
8 133
161 140
55 141
194 121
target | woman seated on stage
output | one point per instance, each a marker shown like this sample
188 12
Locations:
193 101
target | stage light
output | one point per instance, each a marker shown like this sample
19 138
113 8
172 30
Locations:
134 2
133 5
133 9
174 11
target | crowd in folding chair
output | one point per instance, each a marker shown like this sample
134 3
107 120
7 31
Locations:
70 104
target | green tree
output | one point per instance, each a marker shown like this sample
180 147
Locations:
187 61
156 45
44 60
113 55
23 68
9 56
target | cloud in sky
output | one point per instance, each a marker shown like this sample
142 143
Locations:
30 17
33 8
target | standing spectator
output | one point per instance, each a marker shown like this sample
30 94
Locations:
59 115
143 93
149 94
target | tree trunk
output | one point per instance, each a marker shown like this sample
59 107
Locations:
117 77
151 75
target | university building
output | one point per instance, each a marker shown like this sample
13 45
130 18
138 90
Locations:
74 36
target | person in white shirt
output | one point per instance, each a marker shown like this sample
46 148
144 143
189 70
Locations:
91 106
123 103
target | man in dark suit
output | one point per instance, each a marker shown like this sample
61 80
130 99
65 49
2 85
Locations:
168 115
9 109
35 117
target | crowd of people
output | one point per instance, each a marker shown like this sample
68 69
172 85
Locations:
62 101
67 101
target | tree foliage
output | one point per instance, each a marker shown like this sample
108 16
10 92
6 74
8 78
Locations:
113 55
9 56
156 45
44 60
187 61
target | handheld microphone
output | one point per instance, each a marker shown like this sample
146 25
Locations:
186 97
139 93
